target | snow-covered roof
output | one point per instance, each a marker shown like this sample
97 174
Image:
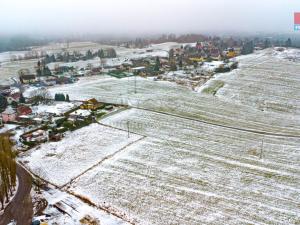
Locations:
81 112
9 111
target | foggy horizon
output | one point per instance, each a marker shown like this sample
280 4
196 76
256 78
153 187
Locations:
133 17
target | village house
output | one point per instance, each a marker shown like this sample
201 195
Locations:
28 79
23 110
13 97
138 70
24 119
36 136
79 114
9 115
91 104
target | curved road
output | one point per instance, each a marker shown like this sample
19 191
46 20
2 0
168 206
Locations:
20 209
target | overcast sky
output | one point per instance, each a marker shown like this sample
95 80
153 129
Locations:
146 16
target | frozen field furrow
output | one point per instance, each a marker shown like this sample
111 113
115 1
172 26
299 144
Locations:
170 98
154 177
59 162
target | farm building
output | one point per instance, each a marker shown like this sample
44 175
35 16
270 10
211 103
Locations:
91 104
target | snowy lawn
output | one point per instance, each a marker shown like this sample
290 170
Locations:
58 108
60 162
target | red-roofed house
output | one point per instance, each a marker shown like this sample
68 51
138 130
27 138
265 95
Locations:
9 115
23 110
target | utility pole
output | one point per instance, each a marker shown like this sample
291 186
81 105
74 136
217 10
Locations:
128 128
135 83
262 149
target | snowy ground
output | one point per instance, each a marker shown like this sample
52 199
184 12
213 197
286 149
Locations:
10 69
187 172
274 96
60 162
205 159
75 210
7 128
265 81
57 108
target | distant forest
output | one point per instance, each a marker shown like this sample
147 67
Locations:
19 43
22 42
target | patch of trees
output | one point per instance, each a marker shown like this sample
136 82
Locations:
3 103
42 69
61 97
247 48
40 95
76 56
8 169
157 64
288 43
17 43
267 43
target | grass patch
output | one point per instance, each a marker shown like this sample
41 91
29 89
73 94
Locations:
214 87
119 74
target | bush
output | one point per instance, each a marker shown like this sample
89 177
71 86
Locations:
68 125
99 115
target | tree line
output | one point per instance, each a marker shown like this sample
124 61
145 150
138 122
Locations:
76 56
8 169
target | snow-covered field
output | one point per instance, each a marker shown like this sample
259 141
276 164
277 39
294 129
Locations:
266 81
188 172
274 96
10 69
228 158
60 162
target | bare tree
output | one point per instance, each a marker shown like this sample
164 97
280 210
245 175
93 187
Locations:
41 95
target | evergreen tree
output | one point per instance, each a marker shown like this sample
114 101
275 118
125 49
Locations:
288 43
157 64
180 63
38 70
59 97
171 54
47 71
173 66
101 53
52 58
247 48
267 43
3 103
67 98
89 54
22 99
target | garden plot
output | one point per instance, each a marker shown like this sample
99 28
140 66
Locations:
60 162
58 108
186 172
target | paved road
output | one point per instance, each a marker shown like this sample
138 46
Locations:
20 209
